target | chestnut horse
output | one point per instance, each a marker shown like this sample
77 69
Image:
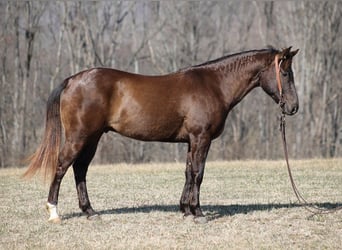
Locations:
188 106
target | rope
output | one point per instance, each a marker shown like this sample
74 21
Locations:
302 201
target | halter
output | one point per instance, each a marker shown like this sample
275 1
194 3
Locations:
277 62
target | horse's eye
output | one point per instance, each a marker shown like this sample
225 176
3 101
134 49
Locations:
285 74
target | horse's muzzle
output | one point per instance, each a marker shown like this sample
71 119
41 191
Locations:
290 109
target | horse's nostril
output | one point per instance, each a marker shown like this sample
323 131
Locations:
290 110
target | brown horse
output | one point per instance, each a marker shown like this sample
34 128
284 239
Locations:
188 106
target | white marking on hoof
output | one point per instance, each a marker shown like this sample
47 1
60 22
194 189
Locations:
52 210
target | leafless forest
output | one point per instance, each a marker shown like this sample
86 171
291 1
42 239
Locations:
41 43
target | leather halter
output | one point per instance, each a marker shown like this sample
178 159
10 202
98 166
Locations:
277 63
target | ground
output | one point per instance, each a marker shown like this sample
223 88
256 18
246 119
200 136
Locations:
249 204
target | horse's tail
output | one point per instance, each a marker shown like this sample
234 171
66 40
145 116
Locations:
46 156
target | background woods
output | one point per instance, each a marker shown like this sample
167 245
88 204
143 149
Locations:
43 43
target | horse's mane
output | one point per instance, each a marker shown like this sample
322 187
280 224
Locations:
245 55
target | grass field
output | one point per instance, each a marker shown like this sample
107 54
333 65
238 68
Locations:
249 204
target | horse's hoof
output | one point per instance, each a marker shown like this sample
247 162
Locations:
56 220
200 220
52 211
94 217
188 217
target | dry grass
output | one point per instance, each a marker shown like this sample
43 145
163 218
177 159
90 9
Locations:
249 204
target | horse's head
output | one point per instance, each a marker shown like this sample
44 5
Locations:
277 80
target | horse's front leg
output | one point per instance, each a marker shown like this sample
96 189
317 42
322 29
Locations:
190 201
185 198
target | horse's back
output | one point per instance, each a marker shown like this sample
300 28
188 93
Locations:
148 107
138 106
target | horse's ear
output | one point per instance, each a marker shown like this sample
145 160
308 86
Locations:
293 53
285 53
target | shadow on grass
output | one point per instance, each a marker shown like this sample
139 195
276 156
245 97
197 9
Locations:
211 211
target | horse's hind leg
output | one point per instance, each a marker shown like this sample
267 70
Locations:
66 157
80 167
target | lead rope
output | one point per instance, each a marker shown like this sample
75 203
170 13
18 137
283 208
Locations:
302 201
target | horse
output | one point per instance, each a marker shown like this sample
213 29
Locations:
187 106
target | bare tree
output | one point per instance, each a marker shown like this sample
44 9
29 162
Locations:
43 43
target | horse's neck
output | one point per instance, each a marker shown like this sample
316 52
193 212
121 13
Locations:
237 78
